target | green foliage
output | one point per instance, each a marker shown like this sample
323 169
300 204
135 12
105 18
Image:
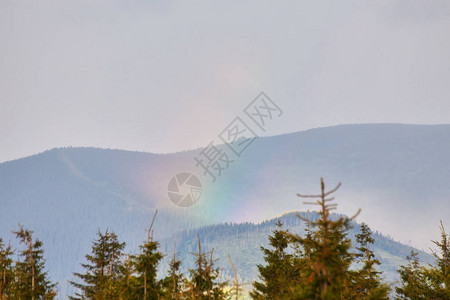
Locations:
173 282
30 279
102 279
203 283
146 266
368 283
432 282
326 250
320 266
6 270
128 282
413 283
280 272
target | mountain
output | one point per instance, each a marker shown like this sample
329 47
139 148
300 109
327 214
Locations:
397 174
243 241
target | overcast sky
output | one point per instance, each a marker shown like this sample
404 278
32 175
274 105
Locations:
163 76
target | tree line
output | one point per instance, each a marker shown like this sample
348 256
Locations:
321 264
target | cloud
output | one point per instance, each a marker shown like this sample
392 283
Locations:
145 75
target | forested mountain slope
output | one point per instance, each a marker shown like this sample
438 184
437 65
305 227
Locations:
397 174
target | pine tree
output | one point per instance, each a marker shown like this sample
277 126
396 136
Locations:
432 282
369 284
173 282
146 267
413 283
204 278
326 249
31 281
279 273
439 275
128 282
6 270
103 270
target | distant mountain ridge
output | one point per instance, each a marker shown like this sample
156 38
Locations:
243 241
398 174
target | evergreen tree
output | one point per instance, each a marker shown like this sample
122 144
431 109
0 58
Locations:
31 281
103 269
279 273
204 278
439 275
326 250
173 282
6 270
146 267
432 282
369 284
128 282
413 283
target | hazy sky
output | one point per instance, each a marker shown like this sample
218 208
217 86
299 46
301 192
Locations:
163 76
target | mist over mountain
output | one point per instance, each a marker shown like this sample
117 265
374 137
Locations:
397 174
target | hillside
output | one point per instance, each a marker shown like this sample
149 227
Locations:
243 241
397 174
